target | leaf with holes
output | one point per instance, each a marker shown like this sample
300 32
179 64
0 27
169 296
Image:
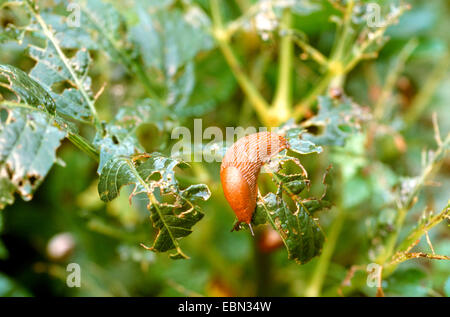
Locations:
300 233
173 210
28 142
52 69
298 144
26 89
336 121
119 135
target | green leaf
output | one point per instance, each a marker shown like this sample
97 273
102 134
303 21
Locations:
27 89
295 183
67 35
154 176
300 233
28 142
55 70
51 69
105 24
314 205
167 40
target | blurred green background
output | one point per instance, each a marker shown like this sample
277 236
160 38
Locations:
104 238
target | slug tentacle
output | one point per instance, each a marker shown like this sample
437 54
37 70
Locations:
241 166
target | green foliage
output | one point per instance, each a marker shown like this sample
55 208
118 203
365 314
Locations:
173 220
98 86
27 90
299 231
28 145
336 120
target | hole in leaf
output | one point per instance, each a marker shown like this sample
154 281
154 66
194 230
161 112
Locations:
149 136
115 140
316 129
69 52
156 176
33 179
61 86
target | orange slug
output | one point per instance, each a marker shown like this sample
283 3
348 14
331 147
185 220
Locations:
240 169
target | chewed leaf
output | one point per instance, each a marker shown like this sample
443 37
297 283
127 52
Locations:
28 142
154 175
337 120
51 69
294 183
196 193
298 144
119 135
68 35
27 89
300 233
137 170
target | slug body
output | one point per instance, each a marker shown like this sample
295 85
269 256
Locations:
240 169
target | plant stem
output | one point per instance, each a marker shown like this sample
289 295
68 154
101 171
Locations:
257 101
282 103
418 232
315 54
409 202
83 145
342 40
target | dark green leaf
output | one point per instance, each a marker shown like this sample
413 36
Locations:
154 176
299 231
294 183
